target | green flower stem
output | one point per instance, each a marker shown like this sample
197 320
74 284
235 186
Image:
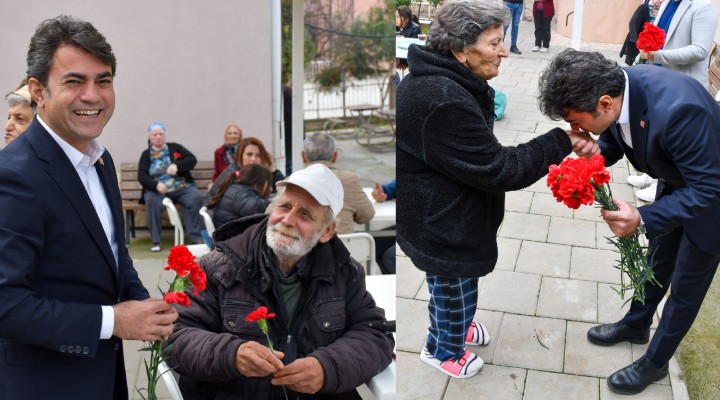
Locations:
263 327
633 260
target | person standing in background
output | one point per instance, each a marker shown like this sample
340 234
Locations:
543 12
516 8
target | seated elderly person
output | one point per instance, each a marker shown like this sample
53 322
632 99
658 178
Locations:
328 335
319 148
21 112
164 171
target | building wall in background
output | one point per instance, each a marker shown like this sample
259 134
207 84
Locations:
195 66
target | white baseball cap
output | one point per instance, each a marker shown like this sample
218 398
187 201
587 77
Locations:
321 183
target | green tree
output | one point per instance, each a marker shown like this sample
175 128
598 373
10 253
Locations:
367 51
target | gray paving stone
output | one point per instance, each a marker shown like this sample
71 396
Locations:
573 232
568 299
492 383
508 250
417 380
611 308
518 346
590 213
546 385
602 233
518 200
545 259
594 265
525 226
585 358
412 278
513 292
412 324
545 204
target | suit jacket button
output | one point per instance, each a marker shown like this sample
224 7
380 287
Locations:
63 348
78 349
116 347
85 350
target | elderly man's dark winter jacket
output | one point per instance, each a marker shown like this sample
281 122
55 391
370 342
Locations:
336 320
452 173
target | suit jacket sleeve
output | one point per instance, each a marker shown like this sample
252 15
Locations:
26 316
691 142
610 148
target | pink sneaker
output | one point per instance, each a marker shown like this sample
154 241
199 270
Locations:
467 366
477 335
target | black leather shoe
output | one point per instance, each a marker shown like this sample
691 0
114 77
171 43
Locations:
610 334
514 49
634 378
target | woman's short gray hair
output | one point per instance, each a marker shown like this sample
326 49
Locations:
459 23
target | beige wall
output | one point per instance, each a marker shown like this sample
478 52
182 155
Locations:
604 21
194 65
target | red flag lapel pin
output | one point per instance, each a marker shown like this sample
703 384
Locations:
642 123
100 160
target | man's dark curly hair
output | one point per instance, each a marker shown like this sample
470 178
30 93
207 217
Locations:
576 80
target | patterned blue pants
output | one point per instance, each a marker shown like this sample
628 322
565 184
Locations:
452 308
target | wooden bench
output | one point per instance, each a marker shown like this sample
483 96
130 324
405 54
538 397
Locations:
331 124
131 191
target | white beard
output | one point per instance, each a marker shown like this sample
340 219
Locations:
288 248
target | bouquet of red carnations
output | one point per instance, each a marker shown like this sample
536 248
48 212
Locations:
650 39
187 273
578 181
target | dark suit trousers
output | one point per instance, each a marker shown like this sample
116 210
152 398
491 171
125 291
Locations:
689 270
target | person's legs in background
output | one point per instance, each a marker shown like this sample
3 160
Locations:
516 13
545 34
153 213
191 201
538 20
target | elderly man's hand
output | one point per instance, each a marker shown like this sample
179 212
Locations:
623 222
161 188
304 375
583 144
254 360
378 193
172 169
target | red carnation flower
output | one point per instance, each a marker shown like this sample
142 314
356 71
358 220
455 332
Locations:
177 155
177 298
651 38
181 261
260 314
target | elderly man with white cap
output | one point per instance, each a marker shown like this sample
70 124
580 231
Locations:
328 335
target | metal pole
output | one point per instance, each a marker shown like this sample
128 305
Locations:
577 24
276 94
298 81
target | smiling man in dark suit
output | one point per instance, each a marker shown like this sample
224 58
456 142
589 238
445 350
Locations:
668 126
68 290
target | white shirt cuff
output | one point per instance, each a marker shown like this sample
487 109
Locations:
108 322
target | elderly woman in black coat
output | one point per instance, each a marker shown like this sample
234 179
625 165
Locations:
453 173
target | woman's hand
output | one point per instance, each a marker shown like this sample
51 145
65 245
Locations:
583 144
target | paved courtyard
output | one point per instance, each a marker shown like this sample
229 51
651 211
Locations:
554 280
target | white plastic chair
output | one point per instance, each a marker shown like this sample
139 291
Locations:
170 382
209 224
196 249
362 248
